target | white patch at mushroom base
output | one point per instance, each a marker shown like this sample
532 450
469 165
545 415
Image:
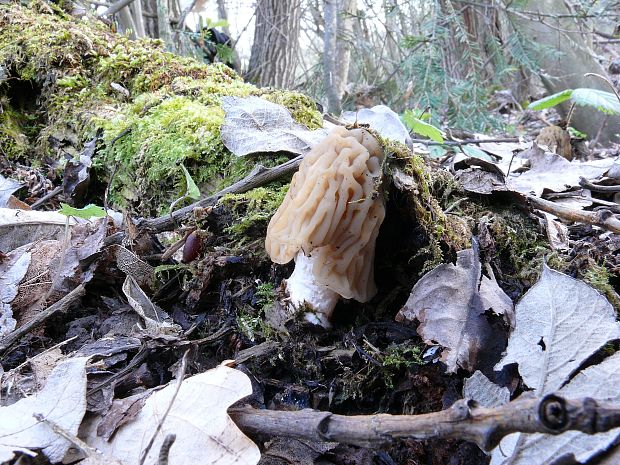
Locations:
304 290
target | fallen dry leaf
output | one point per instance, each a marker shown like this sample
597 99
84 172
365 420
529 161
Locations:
560 322
205 434
254 125
450 303
62 400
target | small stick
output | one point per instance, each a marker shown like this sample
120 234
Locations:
465 141
46 197
60 306
583 182
258 177
602 218
180 376
164 450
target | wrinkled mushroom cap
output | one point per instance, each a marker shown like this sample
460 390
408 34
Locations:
333 211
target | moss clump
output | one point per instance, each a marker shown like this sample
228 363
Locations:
441 229
599 277
301 106
251 214
14 142
166 107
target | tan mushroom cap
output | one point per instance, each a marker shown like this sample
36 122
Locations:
333 211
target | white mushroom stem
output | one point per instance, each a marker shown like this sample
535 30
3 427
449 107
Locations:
304 290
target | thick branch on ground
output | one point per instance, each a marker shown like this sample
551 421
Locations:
463 421
602 218
583 182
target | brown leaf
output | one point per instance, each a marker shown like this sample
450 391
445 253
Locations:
450 303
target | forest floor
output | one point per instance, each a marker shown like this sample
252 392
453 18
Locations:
138 289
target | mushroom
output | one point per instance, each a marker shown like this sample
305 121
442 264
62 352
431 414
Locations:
329 222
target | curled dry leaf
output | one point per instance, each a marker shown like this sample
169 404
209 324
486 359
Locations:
450 303
7 187
205 433
20 227
12 271
382 119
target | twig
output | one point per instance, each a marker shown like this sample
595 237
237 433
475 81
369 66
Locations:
115 8
180 376
464 142
464 421
602 218
46 197
164 450
184 13
60 306
258 177
75 441
139 358
583 182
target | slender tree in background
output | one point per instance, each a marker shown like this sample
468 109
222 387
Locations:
273 61
330 14
339 18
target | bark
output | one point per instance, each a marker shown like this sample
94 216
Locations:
344 43
330 14
463 421
163 23
274 57
138 18
340 20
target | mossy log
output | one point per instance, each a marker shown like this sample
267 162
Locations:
64 79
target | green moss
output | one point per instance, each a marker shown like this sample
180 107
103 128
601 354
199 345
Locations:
440 228
172 109
302 108
251 214
598 276
14 142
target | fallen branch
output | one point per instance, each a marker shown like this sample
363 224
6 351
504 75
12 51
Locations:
463 421
602 218
258 177
465 141
583 182
60 306
115 8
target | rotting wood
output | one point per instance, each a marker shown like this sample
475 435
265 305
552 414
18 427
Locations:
463 421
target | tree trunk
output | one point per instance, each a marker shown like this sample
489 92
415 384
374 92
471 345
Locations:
344 43
223 14
274 56
330 15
